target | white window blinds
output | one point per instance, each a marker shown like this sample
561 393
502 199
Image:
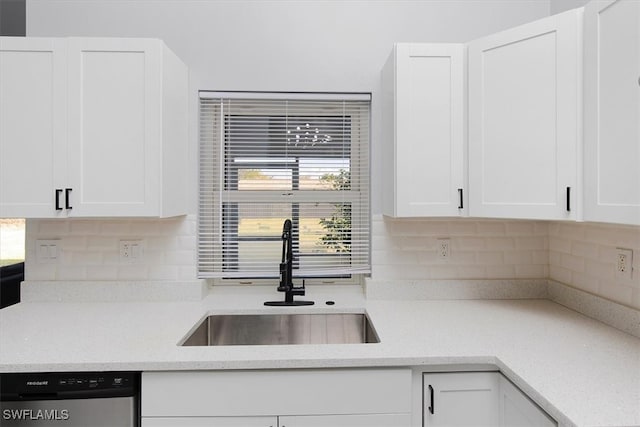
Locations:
265 158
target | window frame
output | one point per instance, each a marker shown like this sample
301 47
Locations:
223 195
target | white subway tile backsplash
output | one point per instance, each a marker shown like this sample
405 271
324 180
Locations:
491 228
635 297
87 258
57 226
560 274
116 228
90 249
469 243
587 283
531 271
540 257
500 243
581 255
460 257
101 272
615 292
71 272
84 227
104 243
518 257
573 263
164 272
559 244
600 270
532 243
520 228
480 249
133 272
584 249
501 271
490 258
462 228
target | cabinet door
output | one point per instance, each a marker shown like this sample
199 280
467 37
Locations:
114 126
524 119
460 399
425 112
32 125
364 420
612 111
210 422
517 410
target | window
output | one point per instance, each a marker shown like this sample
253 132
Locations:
11 241
267 157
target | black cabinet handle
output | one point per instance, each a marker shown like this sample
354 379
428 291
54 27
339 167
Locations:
58 191
461 205
67 198
431 407
568 199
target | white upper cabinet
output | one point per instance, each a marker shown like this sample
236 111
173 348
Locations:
423 125
524 120
116 140
32 125
127 128
612 111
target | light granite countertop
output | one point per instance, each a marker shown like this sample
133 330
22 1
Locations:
581 371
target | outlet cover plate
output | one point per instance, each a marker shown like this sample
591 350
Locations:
624 263
444 249
131 251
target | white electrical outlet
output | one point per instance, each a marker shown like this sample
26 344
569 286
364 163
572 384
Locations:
443 249
131 251
624 263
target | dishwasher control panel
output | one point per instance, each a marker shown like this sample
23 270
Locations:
65 385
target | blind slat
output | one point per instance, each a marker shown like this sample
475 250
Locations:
263 160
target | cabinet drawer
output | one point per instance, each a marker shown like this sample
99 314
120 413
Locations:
287 392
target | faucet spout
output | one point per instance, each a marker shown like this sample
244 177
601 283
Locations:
286 264
286 271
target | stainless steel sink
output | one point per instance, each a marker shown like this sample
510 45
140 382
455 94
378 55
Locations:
283 329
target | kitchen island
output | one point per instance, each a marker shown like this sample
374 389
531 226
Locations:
580 371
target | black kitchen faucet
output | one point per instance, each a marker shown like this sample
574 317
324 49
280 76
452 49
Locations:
286 271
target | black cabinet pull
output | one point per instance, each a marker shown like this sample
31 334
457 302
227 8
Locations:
58 191
461 205
67 198
568 199
431 407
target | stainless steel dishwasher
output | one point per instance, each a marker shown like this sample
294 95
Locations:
70 399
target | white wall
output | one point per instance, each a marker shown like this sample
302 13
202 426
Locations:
310 45
279 45
557 6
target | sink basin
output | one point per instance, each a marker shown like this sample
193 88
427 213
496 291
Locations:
283 329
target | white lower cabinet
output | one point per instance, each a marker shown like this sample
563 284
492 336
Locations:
368 420
516 409
210 422
278 398
461 399
478 399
